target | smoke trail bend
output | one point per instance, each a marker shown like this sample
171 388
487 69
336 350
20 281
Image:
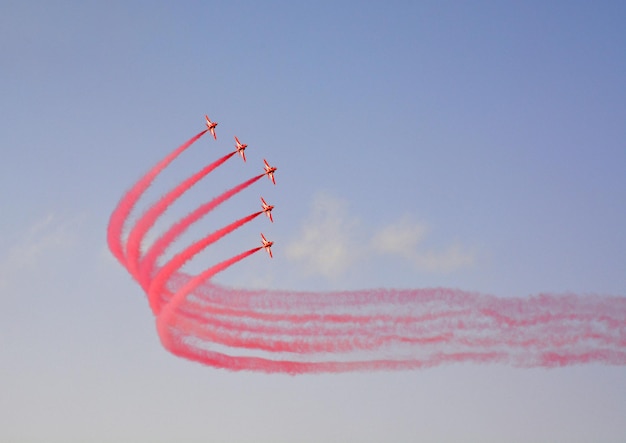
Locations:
380 329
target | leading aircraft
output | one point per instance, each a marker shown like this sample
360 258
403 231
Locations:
241 147
211 126
269 171
267 244
267 209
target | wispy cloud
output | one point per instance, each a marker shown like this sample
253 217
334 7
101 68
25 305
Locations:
45 235
326 244
331 240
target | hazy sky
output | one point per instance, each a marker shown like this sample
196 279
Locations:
470 145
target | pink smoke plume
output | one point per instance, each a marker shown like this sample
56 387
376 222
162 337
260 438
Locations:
383 329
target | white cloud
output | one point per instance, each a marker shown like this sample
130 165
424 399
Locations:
326 244
399 238
403 239
331 240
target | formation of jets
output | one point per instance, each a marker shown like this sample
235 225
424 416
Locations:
269 171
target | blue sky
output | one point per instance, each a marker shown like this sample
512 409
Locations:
476 146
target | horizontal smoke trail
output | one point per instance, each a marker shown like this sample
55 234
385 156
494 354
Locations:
549 330
383 329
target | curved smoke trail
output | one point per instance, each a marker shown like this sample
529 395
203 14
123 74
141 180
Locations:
303 332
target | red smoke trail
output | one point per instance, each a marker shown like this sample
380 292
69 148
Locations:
303 332
166 239
156 285
147 220
164 320
126 204
562 330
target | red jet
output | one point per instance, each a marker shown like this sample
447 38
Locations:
269 171
211 126
241 147
267 244
267 209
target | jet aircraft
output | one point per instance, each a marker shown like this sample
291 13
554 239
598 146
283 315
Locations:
269 171
267 244
211 126
241 147
267 209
